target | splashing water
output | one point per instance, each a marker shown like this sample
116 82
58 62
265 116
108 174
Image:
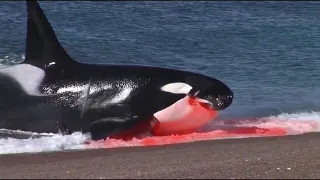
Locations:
11 59
283 124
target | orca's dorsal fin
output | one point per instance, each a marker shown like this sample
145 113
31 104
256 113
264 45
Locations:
42 45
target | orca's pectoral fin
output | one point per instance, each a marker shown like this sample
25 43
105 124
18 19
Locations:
103 128
119 128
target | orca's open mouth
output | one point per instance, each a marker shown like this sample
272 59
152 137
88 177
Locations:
205 104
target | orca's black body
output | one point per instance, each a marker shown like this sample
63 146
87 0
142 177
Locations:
50 91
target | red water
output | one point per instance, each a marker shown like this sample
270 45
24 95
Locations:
265 127
239 132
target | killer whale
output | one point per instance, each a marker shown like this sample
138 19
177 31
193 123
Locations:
51 92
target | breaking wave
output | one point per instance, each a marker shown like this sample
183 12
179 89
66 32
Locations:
283 124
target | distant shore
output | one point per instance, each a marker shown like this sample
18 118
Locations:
274 157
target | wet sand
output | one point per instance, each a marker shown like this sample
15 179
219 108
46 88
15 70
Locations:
277 157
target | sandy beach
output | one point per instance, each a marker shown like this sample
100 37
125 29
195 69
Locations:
276 157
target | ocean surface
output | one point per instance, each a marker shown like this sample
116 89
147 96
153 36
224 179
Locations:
268 53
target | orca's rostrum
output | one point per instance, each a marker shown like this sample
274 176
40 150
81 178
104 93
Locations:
51 92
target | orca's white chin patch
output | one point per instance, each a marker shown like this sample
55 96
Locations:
185 116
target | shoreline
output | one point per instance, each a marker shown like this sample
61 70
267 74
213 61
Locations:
294 156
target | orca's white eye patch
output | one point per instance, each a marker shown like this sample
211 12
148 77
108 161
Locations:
177 88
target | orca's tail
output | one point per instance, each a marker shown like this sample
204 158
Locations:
42 45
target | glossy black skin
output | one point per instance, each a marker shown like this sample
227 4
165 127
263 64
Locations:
82 111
